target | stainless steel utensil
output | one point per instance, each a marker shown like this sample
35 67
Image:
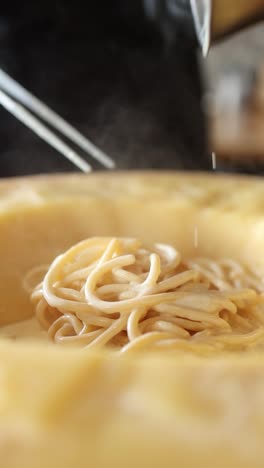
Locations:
216 19
32 112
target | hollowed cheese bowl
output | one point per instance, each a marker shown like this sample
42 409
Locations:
65 407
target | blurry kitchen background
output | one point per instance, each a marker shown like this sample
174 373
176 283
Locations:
144 96
234 100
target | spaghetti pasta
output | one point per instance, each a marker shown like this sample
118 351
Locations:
121 293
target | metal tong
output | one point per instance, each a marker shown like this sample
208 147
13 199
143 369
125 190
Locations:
33 113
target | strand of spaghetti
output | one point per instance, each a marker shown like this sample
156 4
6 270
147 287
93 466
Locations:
63 331
238 339
145 340
122 306
216 281
238 322
154 272
82 246
98 246
115 246
133 330
232 265
168 327
40 312
235 272
187 324
211 265
57 325
45 314
196 288
253 283
69 294
81 340
80 273
111 288
193 314
211 303
177 280
128 294
75 327
122 275
50 292
172 257
216 324
234 294
36 295
108 253
95 320
109 333
126 305
77 267
75 323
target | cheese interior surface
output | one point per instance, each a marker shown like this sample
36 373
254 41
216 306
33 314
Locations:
40 217
24 329
68 408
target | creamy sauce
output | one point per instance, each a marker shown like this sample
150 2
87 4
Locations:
26 329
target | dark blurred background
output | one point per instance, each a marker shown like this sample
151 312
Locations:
133 85
113 73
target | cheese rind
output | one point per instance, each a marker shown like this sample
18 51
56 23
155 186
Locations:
64 407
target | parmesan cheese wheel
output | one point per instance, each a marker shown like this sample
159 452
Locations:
68 408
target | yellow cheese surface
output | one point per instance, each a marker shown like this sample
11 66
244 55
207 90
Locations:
68 408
